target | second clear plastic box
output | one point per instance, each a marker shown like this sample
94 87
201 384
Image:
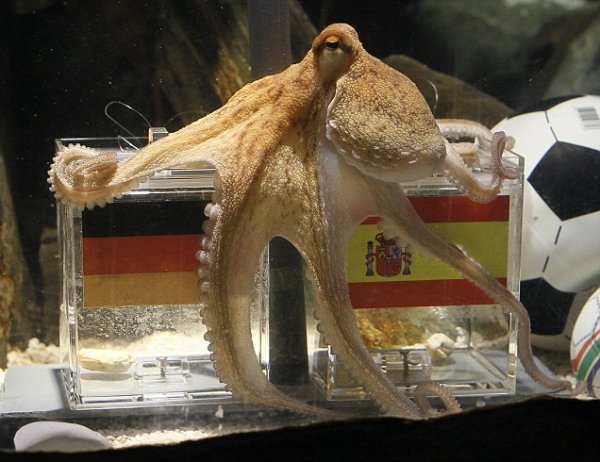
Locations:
421 319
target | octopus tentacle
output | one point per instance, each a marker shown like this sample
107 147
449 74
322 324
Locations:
465 149
82 178
276 177
483 142
226 297
338 324
461 176
397 213
463 128
78 173
352 202
424 389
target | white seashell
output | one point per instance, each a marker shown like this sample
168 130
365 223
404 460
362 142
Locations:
102 360
58 437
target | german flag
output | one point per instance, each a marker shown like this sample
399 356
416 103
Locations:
141 253
389 274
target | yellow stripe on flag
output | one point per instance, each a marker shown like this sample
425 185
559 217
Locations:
486 242
117 290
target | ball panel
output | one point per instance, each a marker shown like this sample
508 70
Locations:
548 307
560 142
585 345
568 179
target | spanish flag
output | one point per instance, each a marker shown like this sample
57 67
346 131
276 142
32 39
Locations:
388 274
141 253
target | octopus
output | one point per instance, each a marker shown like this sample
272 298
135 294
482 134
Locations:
306 155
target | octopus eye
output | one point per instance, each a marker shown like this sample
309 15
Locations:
332 43
334 56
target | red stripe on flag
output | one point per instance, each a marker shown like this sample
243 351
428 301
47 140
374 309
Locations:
456 209
417 293
139 254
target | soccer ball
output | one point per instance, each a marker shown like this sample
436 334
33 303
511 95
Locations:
585 345
560 253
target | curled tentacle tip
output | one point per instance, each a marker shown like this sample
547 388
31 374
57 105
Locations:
507 142
499 143
499 140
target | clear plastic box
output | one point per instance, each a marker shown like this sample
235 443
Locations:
420 319
130 327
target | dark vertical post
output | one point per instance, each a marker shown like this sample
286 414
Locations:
269 31
270 52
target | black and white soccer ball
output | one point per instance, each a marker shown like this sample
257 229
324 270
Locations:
560 252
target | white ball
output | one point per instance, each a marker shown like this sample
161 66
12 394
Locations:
585 345
560 253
